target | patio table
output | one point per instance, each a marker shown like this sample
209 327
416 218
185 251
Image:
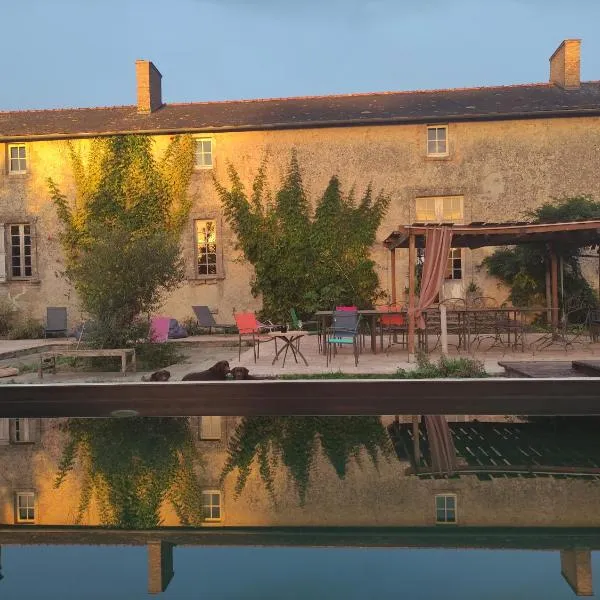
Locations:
512 322
289 338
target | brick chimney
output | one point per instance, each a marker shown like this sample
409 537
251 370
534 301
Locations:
149 93
565 65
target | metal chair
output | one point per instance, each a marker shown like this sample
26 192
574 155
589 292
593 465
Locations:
344 331
248 325
205 319
56 321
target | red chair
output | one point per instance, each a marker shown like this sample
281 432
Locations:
248 325
392 324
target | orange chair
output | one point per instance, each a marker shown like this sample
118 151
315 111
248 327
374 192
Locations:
248 325
393 324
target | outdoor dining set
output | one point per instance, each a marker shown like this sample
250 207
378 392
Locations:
479 325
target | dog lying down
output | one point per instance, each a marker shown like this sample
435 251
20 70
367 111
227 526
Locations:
218 372
242 373
162 375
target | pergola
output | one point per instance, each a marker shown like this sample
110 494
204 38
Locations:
479 235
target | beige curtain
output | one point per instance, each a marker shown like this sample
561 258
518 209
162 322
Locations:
437 247
441 445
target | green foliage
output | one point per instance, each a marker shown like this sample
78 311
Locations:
151 356
295 442
131 466
8 315
121 233
523 268
305 260
445 367
26 329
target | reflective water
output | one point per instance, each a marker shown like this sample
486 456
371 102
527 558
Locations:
299 507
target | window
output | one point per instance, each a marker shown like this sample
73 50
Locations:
210 428
20 250
454 267
445 508
203 151
25 507
211 505
206 243
22 431
17 159
442 209
437 140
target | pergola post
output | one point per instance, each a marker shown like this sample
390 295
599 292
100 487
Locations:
416 442
393 268
411 295
554 287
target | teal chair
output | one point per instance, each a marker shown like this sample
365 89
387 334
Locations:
344 331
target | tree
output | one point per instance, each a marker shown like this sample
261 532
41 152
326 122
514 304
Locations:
523 268
303 259
128 207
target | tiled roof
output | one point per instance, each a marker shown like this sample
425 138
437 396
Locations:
519 101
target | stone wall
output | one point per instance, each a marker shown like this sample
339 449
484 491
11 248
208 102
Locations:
502 169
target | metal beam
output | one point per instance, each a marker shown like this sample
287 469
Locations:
489 396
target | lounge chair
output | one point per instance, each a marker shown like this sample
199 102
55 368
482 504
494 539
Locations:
249 326
205 319
56 321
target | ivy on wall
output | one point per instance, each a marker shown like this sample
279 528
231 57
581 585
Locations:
523 268
295 442
130 467
304 259
121 231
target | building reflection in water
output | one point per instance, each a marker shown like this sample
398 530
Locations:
497 482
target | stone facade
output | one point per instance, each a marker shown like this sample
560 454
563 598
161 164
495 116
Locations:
500 168
367 496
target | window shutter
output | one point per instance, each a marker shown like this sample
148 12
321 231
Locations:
4 431
2 252
210 428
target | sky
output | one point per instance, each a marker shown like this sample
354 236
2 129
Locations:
95 573
65 53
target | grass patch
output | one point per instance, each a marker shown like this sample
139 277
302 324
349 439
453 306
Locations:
460 368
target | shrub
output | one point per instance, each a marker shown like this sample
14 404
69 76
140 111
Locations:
28 329
151 356
8 315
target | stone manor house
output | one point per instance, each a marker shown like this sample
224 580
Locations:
457 155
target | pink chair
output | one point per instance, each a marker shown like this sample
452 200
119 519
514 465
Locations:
248 325
159 329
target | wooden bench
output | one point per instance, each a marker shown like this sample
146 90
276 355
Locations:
123 353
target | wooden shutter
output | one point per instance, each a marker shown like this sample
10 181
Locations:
4 431
210 428
2 252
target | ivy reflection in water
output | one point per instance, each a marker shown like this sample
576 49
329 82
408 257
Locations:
295 441
131 466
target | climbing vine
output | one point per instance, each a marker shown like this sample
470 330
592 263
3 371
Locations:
305 259
130 467
523 268
121 231
295 443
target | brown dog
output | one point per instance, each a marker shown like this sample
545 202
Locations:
241 373
162 375
217 372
